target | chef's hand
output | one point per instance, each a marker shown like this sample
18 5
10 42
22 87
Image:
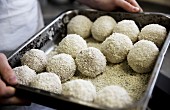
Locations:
7 92
110 5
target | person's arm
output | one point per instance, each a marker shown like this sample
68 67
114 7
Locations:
110 5
7 76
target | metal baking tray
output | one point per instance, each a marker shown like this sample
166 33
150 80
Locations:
53 33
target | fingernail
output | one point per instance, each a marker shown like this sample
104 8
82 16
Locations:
141 10
10 91
136 9
13 80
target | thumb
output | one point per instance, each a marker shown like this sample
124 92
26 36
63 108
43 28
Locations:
6 71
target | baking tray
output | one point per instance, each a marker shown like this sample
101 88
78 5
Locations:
53 33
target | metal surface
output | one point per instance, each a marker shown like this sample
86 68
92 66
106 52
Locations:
56 30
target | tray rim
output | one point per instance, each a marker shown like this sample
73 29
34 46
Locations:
152 80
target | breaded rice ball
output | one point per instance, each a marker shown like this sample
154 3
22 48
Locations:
113 96
79 88
80 25
142 57
116 47
103 27
24 74
129 28
63 65
153 32
72 44
47 81
35 59
91 62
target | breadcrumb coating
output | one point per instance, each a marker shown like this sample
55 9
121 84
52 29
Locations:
24 74
143 56
80 25
72 44
116 47
47 81
153 32
113 96
103 27
80 89
91 62
35 59
63 65
129 28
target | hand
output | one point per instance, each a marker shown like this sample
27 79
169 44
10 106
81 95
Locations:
8 77
110 5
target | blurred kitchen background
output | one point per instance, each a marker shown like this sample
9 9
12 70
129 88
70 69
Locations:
52 8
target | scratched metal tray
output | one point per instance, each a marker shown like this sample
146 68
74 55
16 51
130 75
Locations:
53 33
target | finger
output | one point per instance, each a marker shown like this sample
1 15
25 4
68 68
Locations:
6 71
127 6
14 101
6 91
134 3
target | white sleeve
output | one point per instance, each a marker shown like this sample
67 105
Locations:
19 20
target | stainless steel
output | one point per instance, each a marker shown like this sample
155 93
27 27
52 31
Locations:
163 6
56 30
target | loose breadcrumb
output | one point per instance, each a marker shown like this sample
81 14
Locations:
119 74
91 42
